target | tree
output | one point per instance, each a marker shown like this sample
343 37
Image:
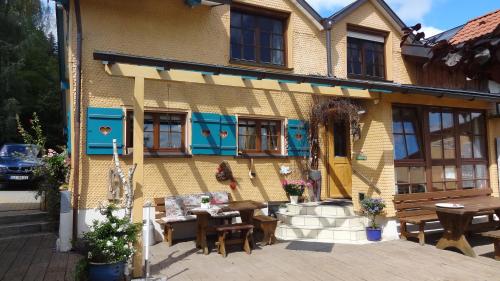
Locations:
28 69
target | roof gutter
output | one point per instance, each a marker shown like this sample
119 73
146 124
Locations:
376 86
76 119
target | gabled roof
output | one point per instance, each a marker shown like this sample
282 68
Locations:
310 12
383 7
478 27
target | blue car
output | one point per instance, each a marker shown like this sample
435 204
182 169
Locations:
17 162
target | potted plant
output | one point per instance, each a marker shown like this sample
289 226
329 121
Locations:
294 189
110 245
372 207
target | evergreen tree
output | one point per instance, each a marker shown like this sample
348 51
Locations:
28 69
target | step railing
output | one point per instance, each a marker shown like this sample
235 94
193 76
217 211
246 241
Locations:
367 180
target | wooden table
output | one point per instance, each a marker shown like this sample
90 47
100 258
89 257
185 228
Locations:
246 209
455 222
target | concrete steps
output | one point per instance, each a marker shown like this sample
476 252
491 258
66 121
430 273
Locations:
16 223
334 222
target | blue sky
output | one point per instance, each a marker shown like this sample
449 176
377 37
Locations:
435 15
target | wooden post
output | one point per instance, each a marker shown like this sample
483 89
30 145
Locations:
138 159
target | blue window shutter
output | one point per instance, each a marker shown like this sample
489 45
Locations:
228 135
205 133
298 138
68 130
104 125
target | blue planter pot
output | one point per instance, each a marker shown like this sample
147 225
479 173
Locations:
373 234
106 271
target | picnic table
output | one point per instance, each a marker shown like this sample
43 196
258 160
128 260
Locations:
456 221
246 209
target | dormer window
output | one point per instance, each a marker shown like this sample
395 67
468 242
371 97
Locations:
365 56
257 38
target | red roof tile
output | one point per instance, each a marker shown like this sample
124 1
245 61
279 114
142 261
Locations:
477 27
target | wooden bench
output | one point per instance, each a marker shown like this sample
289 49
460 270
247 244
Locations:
168 222
268 226
246 237
409 211
495 234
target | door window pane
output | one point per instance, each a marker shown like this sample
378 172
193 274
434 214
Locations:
399 147
467 172
477 123
148 131
437 149
466 146
447 120
402 176
434 122
437 173
417 175
449 147
478 147
340 135
450 173
481 172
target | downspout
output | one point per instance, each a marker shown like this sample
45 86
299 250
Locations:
328 28
76 119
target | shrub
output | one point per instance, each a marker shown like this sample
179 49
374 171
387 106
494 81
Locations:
111 240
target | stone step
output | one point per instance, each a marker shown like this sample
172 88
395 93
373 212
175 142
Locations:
322 221
14 229
22 216
323 234
320 209
30 235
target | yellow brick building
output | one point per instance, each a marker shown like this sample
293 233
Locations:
167 57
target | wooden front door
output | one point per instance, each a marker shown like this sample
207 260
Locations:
340 173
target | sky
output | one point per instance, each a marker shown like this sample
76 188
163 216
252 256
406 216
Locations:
434 15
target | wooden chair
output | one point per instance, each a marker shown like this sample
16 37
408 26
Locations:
495 234
246 239
409 211
268 226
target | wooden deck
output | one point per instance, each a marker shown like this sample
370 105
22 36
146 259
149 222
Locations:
393 260
33 258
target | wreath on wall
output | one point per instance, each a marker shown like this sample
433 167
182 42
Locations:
224 173
343 109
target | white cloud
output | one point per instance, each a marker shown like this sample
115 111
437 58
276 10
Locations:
430 31
328 5
411 11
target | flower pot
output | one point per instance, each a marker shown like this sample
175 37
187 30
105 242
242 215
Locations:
106 271
373 234
294 199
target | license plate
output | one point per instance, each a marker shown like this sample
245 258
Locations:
19 178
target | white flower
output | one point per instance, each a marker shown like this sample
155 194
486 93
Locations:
114 238
109 243
125 246
113 225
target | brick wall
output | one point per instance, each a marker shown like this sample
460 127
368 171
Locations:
170 29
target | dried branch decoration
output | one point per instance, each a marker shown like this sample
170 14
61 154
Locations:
127 182
342 109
